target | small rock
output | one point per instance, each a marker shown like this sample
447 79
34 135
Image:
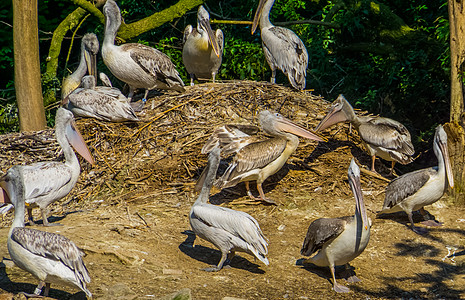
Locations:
184 294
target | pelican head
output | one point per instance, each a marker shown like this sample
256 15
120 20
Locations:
65 119
275 124
112 18
90 46
88 82
258 13
340 111
354 182
203 24
440 139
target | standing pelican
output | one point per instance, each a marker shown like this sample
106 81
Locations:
47 182
413 191
257 159
50 257
138 65
340 240
283 49
99 102
203 50
87 63
382 137
229 230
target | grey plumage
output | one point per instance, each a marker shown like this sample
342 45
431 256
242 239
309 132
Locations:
50 257
229 230
283 49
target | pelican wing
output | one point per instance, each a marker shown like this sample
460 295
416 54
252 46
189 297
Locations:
153 62
388 134
259 154
52 246
220 38
237 223
230 138
103 103
404 186
44 177
288 53
322 231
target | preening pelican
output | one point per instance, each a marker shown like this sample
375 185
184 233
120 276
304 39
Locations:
283 49
47 182
257 159
99 102
138 65
50 257
229 230
340 240
87 64
203 50
382 137
413 191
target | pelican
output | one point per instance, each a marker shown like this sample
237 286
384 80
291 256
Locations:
138 65
283 49
340 240
413 191
257 159
229 230
87 63
203 49
382 137
47 182
99 102
50 257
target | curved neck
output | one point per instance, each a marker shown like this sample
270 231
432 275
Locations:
82 68
212 167
293 141
112 24
70 156
265 15
440 157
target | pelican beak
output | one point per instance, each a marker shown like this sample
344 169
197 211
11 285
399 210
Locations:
4 199
445 153
335 115
205 24
258 13
354 182
287 125
77 141
91 61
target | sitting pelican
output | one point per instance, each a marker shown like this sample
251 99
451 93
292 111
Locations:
340 240
50 257
138 65
203 50
229 230
87 63
99 102
283 49
413 191
255 158
382 137
47 182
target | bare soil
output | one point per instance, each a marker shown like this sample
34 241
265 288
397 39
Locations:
131 218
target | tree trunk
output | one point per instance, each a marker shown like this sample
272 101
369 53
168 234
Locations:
27 67
455 129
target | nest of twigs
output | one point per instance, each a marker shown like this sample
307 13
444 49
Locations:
161 153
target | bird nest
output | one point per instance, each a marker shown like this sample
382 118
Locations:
161 153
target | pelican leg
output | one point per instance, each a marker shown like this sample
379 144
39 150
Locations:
415 229
44 213
213 76
37 291
29 217
262 195
338 288
273 76
47 289
224 255
373 158
131 93
192 79
429 219
392 167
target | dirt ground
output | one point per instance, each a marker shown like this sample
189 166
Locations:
140 246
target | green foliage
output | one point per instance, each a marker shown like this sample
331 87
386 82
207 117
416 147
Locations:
243 60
